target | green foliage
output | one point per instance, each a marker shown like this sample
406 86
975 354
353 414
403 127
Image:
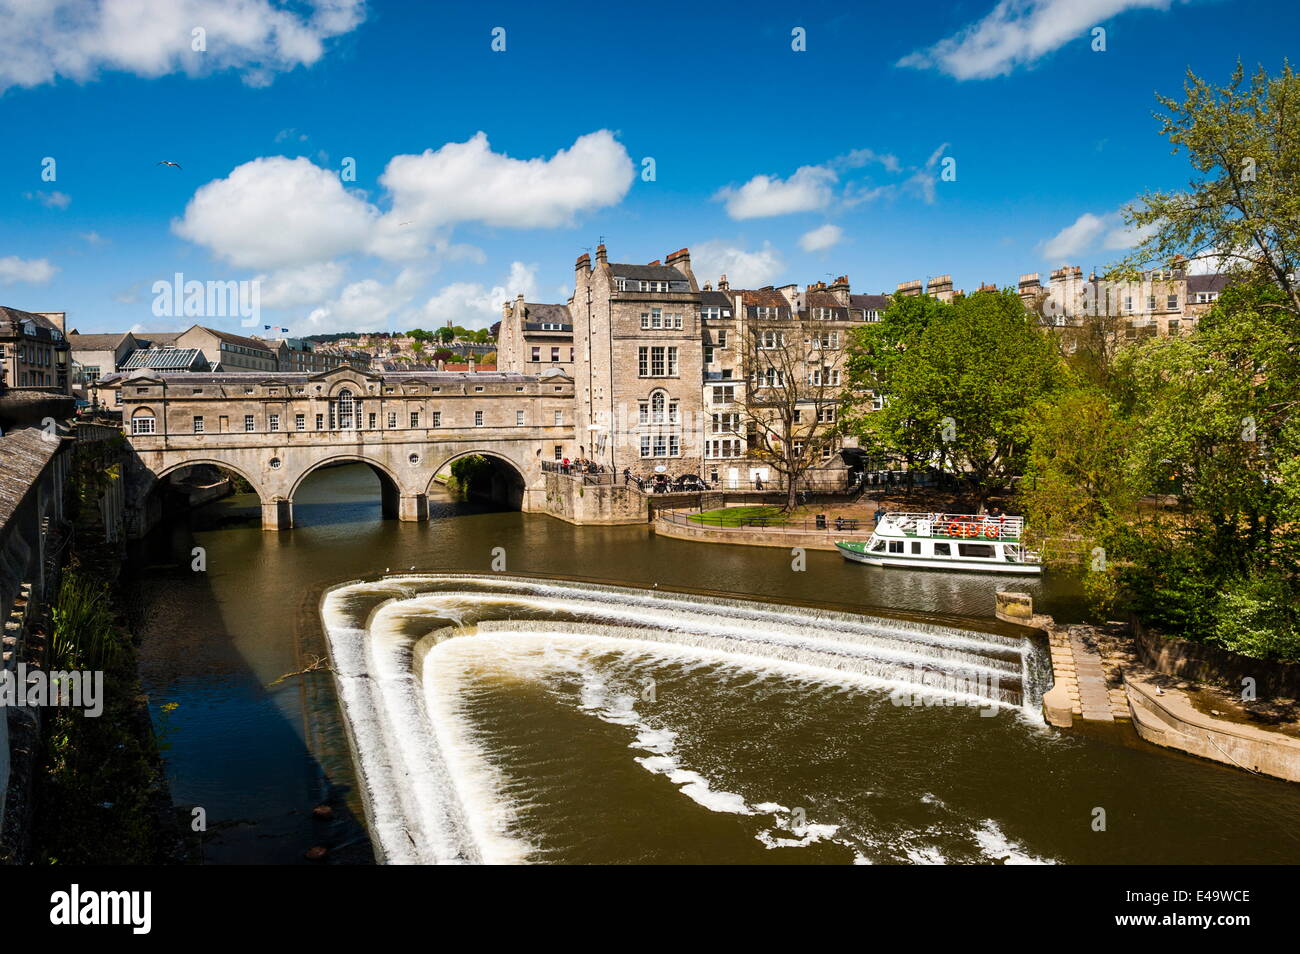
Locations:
466 471
961 381
1242 210
1078 486
85 634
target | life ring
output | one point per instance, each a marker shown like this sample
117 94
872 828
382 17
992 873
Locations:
992 531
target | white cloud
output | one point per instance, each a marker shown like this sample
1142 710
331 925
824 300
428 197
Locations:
744 269
93 238
373 305
468 182
1089 232
1123 236
51 200
862 157
366 305
32 271
1018 33
471 305
277 213
809 189
817 187
296 287
820 239
77 39
1077 237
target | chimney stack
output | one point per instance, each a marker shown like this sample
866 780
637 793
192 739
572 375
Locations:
723 284
601 257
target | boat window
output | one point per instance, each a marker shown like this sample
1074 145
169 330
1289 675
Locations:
943 549
983 550
916 547
877 546
895 546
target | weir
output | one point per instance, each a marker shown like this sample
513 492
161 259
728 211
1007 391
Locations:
421 776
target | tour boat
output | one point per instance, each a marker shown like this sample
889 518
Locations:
946 541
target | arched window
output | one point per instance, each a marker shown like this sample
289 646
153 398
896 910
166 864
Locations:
345 411
658 403
143 421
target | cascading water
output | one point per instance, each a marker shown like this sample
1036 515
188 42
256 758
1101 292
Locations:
414 654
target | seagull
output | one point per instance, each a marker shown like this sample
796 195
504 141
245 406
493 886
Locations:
165 162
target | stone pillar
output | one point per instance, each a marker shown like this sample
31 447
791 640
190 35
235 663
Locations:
413 508
277 514
1014 607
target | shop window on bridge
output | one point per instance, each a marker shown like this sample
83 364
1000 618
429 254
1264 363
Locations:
300 422
437 419
249 425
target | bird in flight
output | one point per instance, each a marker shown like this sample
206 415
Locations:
164 162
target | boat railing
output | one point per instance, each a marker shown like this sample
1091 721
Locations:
981 526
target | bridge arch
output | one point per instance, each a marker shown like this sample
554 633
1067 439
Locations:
165 472
503 481
395 500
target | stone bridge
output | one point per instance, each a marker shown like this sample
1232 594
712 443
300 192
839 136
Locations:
275 429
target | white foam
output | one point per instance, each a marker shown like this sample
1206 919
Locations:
433 794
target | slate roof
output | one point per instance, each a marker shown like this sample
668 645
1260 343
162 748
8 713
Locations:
768 297
23 456
715 299
1207 283
648 273
96 342
869 302
551 314
12 319
155 338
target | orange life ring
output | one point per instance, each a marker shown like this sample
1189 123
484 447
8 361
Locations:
992 531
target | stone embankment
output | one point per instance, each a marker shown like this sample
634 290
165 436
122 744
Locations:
1109 674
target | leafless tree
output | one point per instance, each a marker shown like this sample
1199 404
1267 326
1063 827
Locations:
794 392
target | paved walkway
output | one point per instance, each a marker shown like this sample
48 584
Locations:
1078 670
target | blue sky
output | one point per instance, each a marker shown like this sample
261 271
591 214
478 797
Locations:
479 174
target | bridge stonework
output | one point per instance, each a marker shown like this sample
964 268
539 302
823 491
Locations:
275 429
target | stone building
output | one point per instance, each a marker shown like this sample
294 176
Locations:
533 337
34 351
639 363
96 356
229 351
1159 302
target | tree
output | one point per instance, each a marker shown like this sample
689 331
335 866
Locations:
960 388
1242 211
793 396
1077 486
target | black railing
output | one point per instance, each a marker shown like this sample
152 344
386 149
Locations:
815 523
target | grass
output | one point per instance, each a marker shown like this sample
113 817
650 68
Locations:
740 516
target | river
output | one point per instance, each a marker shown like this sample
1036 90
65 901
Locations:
579 724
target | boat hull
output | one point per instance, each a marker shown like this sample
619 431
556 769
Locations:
923 563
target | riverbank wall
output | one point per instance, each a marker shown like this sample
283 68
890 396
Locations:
1201 662
678 527
1093 681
